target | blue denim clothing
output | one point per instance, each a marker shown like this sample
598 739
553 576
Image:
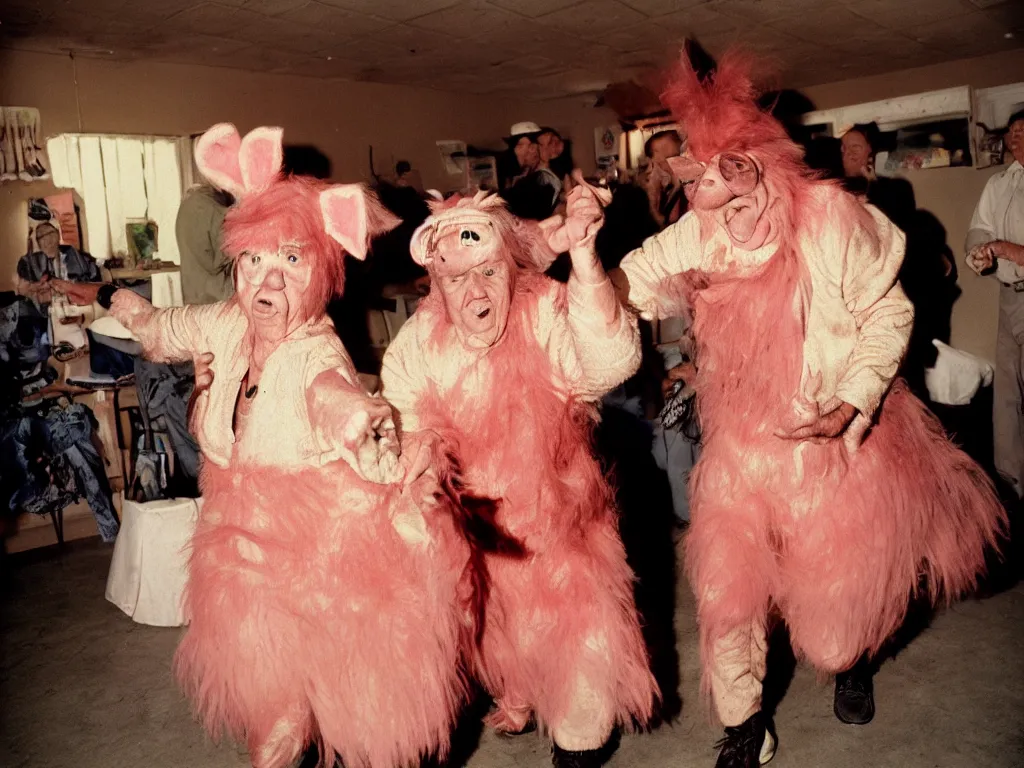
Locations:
49 462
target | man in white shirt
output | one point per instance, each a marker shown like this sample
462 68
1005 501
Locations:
995 245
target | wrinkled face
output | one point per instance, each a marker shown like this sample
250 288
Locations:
527 152
270 285
1015 140
731 186
550 146
856 153
474 278
49 241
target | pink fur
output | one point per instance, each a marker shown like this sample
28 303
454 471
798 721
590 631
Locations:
217 158
260 158
524 445
837 542
335 621
352 216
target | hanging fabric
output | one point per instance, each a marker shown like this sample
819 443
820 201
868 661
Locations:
22 156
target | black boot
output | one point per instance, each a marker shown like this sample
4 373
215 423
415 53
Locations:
747 745
588 758
855 694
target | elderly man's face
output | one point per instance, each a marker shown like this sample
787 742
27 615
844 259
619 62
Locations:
270 285
49 241
1015 140
856 153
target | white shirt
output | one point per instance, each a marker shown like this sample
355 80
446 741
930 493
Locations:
1000 216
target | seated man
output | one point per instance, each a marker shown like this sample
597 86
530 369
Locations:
51 261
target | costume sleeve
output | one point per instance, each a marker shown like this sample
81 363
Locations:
403 377
595 343
983 230
675 249
175 334
872 256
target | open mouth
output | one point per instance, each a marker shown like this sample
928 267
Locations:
263 308
483 313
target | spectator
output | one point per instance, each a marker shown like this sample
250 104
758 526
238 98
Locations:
555 163
51 261
206 274
995 246
664 192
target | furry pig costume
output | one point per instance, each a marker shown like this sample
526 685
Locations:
504 364
825 490
323 593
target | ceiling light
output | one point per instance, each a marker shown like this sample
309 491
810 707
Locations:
1008 35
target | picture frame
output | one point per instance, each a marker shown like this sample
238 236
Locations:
143 236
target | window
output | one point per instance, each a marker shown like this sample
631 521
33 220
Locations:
120 179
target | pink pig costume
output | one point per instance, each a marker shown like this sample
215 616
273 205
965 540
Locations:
797 315
323 596
561 640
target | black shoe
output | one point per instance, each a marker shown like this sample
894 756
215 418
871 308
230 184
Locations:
589 758
748 745
855 695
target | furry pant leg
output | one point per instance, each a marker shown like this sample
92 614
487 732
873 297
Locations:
836 616
563 637
281 744
731 565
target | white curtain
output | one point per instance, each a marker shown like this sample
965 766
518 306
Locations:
120 178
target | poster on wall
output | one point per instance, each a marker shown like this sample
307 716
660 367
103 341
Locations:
606 145
22 156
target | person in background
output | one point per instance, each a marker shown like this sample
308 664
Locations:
523 155
555 163
206 275
51 261
995 246
664 192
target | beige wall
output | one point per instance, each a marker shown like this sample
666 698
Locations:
341 118
949 193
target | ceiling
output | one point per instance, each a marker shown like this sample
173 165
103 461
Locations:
537 49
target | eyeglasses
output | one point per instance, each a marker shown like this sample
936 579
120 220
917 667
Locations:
738 171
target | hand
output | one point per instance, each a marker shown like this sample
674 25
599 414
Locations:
204 373
981 258
822 426
584 211
370 443
82 294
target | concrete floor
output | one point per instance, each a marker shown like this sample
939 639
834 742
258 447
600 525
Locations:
81 685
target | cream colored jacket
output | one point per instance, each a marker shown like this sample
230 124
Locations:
279 430
859 320
593 347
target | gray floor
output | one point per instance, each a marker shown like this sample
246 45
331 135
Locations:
81 685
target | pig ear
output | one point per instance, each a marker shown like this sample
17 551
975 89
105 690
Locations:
260 157
217 158
353 216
